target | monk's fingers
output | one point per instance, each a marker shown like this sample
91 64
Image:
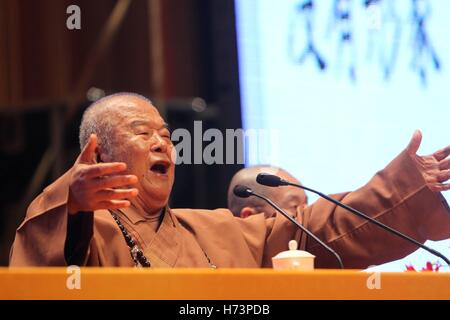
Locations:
443 176
444 164
87 155
116 194
440 187
103 169
112 204
442 154
414 143
114 181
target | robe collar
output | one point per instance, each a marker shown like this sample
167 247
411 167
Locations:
134 217
164 249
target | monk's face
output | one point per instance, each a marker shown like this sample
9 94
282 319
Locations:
291 197
287 197
142 140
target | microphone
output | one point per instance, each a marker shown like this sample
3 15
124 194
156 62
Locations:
271 180
245 192
242 191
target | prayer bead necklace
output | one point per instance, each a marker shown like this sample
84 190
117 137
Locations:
140 260
137 254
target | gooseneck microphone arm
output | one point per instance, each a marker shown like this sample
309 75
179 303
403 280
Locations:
275 181
245 192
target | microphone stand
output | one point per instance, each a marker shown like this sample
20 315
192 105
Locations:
309 233
366 217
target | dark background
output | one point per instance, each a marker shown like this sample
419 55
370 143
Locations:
168 50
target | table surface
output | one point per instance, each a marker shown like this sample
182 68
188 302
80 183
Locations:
223 284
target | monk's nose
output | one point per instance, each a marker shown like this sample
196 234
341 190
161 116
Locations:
159 146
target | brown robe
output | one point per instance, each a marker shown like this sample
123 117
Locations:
396 196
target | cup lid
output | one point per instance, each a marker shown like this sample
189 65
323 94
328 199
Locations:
293 252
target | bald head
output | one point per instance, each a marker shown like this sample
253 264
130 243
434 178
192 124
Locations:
102 116
287 197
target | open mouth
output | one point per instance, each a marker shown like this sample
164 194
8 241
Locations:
160 168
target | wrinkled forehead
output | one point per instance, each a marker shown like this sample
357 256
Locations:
129 110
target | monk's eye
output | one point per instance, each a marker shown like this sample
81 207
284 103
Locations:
143 133
165 134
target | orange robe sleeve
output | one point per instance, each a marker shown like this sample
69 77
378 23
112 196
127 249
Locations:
41 238
396 196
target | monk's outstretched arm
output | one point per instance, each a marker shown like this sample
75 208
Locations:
397 196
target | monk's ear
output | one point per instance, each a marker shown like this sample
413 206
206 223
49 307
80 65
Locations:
102 156
247 212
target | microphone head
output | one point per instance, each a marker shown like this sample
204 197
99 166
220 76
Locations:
269 180
242 191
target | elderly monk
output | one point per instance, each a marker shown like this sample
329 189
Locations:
110 208
289 198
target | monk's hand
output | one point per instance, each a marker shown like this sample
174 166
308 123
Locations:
95 186
434 168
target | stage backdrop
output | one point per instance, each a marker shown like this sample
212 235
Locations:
341 85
